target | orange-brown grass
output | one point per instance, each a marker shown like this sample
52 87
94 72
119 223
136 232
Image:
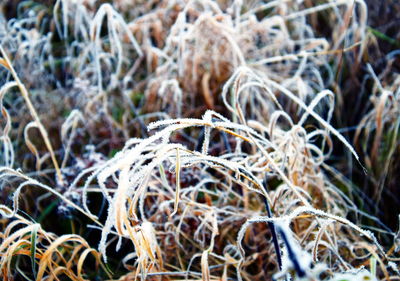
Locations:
206 128
50 256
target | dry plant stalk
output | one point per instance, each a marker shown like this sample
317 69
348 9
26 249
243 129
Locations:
5 61
205 126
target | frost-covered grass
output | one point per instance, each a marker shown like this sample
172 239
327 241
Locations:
194 140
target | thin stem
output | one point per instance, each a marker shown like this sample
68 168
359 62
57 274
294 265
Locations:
35 116
273 232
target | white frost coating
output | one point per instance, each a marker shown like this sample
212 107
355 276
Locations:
368 234
360 275
292 253
138 182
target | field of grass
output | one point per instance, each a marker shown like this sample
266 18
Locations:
200 140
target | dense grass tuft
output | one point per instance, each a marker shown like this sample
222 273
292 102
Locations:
198 140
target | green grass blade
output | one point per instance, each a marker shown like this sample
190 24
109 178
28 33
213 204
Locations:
33 248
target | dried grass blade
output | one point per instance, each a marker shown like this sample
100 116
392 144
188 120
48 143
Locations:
178 181
205 269
32 110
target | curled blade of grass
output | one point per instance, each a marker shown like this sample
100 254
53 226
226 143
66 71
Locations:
139 182
8 172
7 145
70 124
15 235
30 145
309 111
52 248
114 22
369 235
203 46
318 237
220 126
35 116
238 111
363 14
82 258
318 118
163 150
62 32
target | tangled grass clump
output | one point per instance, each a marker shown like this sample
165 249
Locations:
50 256
188 140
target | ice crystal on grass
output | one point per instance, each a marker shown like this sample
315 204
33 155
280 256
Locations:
195 136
